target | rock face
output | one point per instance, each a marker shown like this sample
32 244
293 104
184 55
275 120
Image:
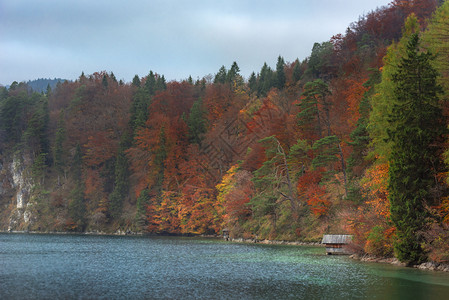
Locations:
15 190
19 180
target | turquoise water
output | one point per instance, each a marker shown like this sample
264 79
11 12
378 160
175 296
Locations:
109 267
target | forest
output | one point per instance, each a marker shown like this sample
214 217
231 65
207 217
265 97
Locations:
351 140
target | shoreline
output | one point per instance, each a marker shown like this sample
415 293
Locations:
274 242
427 266
131 233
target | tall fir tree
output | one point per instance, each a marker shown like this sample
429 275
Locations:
121 185
385 91
252 83
280 73
415 125
58 149
233 73
136 81
296 75
77 205
220 77
266 80
197 122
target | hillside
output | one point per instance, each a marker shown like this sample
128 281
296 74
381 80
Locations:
350 140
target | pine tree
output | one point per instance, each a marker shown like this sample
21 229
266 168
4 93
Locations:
58 150
311 117
139 109
220 77
104 82
252 83
142 203
385 91
359 136
280 73
197 122
266 80
415 124
161 85
77 206
136 81
121 185
150 83
114 79
296 72
233 73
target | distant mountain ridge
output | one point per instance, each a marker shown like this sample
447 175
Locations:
40 85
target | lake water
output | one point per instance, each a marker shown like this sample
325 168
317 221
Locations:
38 266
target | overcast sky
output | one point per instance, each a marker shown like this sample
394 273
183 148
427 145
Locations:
176 38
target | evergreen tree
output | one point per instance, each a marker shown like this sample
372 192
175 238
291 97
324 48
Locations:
139 109
310 117
114 79
136 81
150 83
121 185
160 155
359 136
252 83
142 203
436 38
220 77
104 82
48 90
197 122
77 205
58 151
266 80
39 167
280 73
161 85
319 63
35 136
232 73
381 102
13 116
415 124
296 76
273 183
326 151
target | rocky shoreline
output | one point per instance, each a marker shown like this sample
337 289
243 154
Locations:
429 266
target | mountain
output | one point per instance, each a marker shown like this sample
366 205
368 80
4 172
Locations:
41 84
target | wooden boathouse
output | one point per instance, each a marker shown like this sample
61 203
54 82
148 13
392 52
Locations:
335 243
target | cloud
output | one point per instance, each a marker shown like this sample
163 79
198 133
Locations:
176 38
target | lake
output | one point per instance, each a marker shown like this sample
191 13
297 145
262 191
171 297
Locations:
40 266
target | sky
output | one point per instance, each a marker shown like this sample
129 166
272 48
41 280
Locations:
174 38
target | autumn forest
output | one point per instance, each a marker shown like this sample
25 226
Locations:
351 140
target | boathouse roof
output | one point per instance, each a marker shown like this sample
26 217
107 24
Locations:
336 239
